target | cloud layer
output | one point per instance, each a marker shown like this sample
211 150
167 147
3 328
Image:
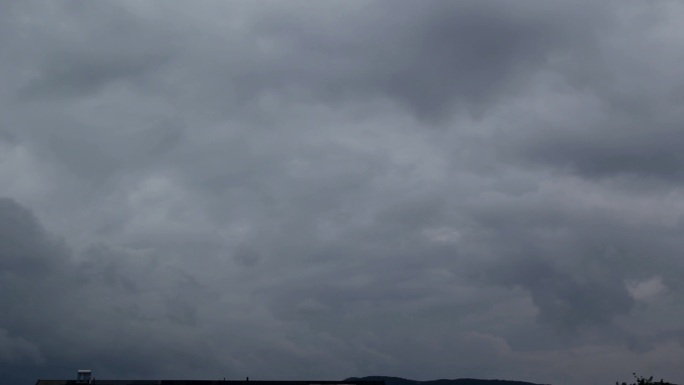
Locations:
291 190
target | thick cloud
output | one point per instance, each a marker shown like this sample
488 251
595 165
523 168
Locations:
322 190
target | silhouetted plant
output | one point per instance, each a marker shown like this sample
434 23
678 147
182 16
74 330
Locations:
641 380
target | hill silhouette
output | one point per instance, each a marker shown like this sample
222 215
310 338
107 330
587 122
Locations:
460 381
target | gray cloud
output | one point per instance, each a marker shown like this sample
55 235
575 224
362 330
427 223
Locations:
88 61
298 190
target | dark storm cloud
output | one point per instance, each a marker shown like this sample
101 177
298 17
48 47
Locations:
90 48
28 260
639 147
626 123
574 260
25 246
219 189
111 304
432 59
570 300
74 74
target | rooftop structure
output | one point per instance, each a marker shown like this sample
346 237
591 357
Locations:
202 382
85 377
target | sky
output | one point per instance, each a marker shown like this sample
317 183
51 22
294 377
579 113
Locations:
325 189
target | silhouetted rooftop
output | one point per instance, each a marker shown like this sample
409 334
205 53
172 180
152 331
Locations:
203 382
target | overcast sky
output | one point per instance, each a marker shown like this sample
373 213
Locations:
324 189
